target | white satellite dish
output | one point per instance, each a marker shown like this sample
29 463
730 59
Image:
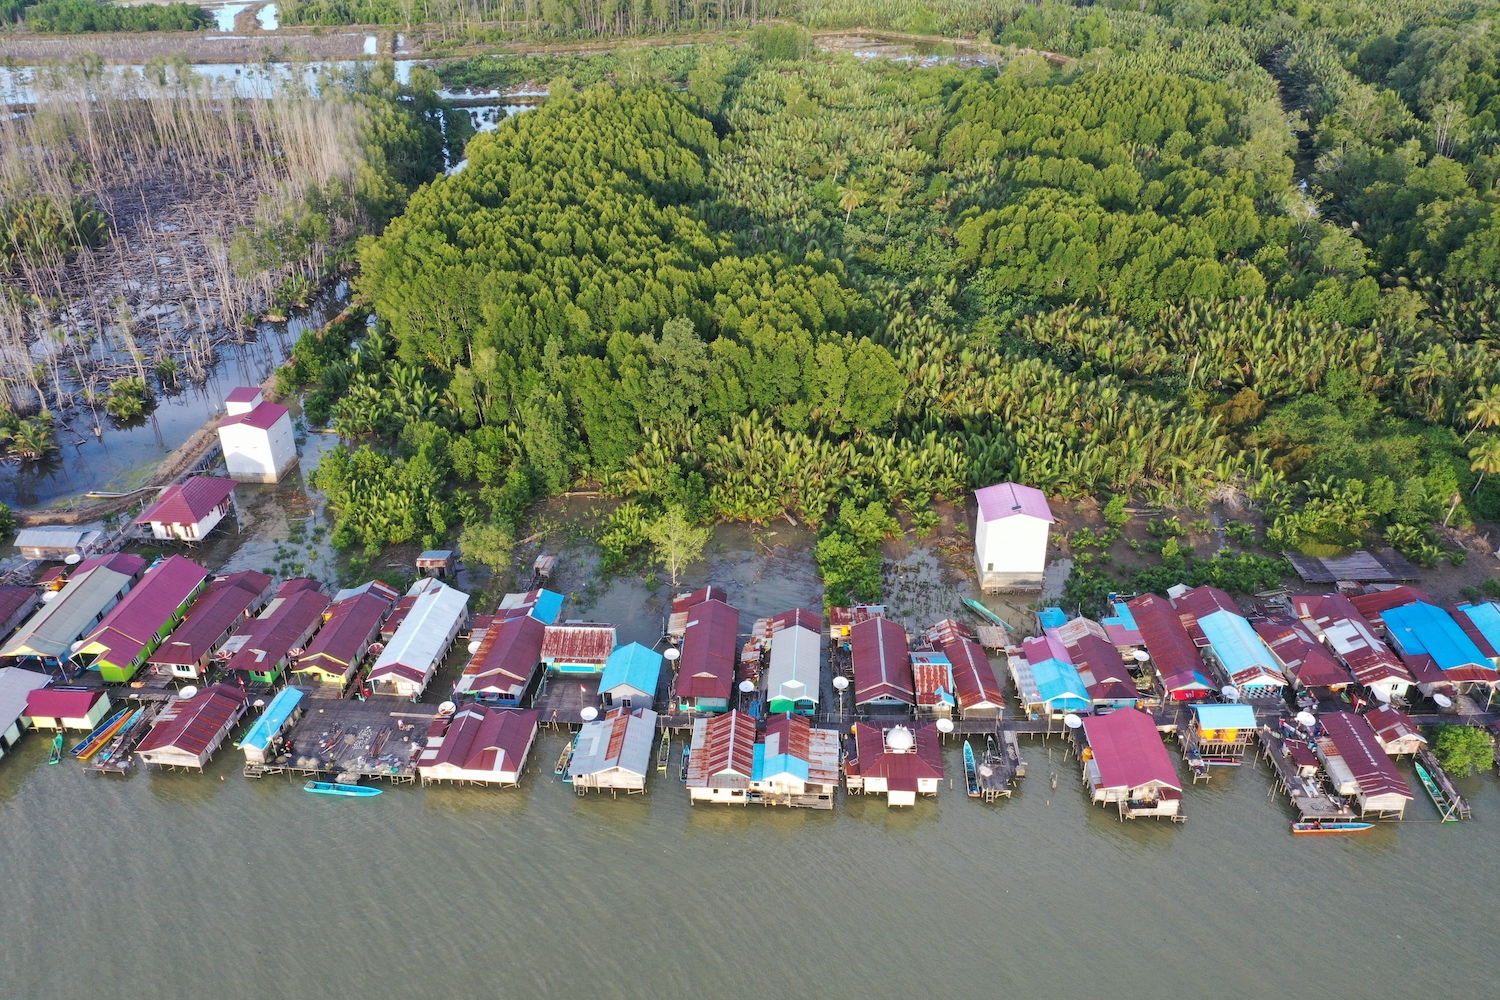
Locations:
1141 656
473 647
260 703
1442 701
1307 718
77 646
447 708
589 714
1072 721
746 686
1230 692
190 691
1381 694
841 683
945 725
73 559
671 654
900 740
50 595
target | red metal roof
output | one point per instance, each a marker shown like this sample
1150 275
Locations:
1303 655
212 615
195 724
1352 638
797 616
14 599
578 643
348 627
263 416
946 631
682 602
507 656
134 622
1200 602
189 502
117 562
277 631
1102 669
974 682
1172 650
1377 603
479 738
882 664
900 770
403 608
709 651
725 757
1391 724
242 394
1371 766
1128 750
1472 630
61 703
929 679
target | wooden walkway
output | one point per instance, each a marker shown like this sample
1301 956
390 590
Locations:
1440 788
1306 794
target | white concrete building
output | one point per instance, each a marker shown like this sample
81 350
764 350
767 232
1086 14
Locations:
256 437
1010 537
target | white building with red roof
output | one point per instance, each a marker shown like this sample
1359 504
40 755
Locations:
67 708
256 437
189 730
721 758
479 745
188 511
1010 536
897 763
1126 764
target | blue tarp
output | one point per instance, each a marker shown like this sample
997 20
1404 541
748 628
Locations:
1236 645
1053 618
1060 686
1225 716
1421 628
272 719
634 666
1486 618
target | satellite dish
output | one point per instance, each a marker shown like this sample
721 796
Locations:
447 708
590 713
1230 692
1381 694
746 686
1072 721
1307 718
900 740
1442 701
190 691
841 683
945 725
671 654
73 559
260 703
77 646
473 647
50 595
1141 656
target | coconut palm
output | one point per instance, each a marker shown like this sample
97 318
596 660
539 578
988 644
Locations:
851 198
33 438
1485 410
1486 459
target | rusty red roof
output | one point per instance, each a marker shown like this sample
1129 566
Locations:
882 664
62 703
189 502
946 631
1352 638
683 602
507 657
709 651
14 599
274 635
797 616
1102 669
1128 750
723 751
213 614
1371 766
900 770
398 616
194 725
348 628
581 643
974 681
1172 650
1391 724
484 739
1303 655
1375 604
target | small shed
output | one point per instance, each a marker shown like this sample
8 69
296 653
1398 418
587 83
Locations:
1010 537
631 676
1224 730
189 730
263 739
1395 730
614 753
479 746
577 647
67 708
439 563
188 511
16 685
57 542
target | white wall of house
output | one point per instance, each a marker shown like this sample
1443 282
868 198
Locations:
259 456
1011 553
163 531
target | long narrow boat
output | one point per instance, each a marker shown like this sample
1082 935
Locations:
971 773
91 743
55 757
1436 794
664 753
1321 826
564 760
985 613
336 788
683 773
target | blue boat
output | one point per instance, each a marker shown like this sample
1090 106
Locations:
1330 826
335 788
971 774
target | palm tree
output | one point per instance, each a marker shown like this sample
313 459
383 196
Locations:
839 161
850 198
1485 410
34 438
1486 456
1426 368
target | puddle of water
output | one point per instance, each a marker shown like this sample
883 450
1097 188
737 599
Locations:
224 16
372 45
268 17
260 80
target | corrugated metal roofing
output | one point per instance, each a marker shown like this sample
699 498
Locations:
54 536
1225 716
1481 623
195 725
623 740
348 628
265 728
60 622
1352 639
480 739
1301 653
795 671
189 502
902 771
506 659
16 685
425 634
584 644
632 667
263 416
58 703
709 647
1391 724
974 680
1128 750
132 624
882 664
211 617
722 753
1375 604
1422 628
1371 766
263 641
1059 685
1173 653
543 605
932 679
1245 658
792 746
1007 499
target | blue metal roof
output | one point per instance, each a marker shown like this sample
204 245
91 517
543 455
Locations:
1225 716
781 763
1122 617
1236 645
1422 628
1486 618
633 665
1060 686
1053 618
272 719
548 606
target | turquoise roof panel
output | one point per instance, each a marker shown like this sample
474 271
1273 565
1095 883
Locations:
633 666
1225 716
272 719
1422 628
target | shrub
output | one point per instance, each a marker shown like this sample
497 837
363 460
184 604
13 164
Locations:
1463 750
1115 512
128 398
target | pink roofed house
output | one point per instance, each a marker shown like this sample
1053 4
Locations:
479 745
121 643
1126 764
188 511
265 645
216 613
1010 537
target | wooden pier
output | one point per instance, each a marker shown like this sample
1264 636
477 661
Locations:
118 756
1306 793
1440 788
378 738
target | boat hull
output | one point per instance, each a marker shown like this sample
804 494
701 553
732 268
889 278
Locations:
1314 829
334 788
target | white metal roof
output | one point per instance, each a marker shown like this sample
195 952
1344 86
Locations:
424 637
795 662
632 753
52 631
15 685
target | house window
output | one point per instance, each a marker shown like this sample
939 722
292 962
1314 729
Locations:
989 567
